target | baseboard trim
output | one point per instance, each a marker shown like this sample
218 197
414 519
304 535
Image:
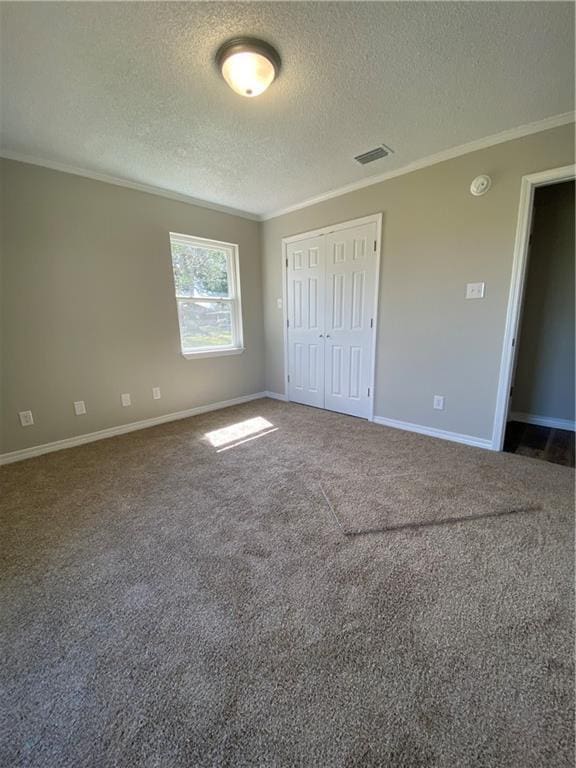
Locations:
134 426
455 437
543 421
276 396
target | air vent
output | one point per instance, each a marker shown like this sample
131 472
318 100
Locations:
373 154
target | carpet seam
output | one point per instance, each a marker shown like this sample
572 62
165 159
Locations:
415 526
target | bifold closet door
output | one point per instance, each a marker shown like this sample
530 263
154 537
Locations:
306 309
348 327
330 289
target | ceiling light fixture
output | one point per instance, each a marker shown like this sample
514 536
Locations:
249 66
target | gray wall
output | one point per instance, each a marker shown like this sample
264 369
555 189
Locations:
89 310
436 238
544 380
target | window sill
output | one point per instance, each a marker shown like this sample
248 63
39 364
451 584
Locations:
213 353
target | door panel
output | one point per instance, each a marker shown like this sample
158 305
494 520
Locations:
306 310
350 281
331 282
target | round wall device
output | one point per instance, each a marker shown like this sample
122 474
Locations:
480 185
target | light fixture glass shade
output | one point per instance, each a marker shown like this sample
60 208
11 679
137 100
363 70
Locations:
247 73
249 66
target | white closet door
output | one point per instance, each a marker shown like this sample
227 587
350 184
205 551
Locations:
306 310
350 282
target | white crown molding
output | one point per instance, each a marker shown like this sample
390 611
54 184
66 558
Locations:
119 182
102 434
425 162
447 154
455 437
543 421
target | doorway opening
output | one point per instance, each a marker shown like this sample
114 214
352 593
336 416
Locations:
540 408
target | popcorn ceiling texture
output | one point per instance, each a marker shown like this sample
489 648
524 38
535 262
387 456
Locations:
131 90
168 605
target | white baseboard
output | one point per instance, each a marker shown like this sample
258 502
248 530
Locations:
102 434
477 442
276 396
543 421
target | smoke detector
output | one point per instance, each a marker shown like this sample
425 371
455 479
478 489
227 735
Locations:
480 185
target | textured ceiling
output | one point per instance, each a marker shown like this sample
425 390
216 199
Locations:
130 90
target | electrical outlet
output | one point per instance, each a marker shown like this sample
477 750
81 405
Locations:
26 418
279 303
79 407
156 394
439 402
475 290
126 399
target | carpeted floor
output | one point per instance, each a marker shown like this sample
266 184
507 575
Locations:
171 599
422 496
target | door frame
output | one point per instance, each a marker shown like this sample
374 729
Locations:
375 218
517 289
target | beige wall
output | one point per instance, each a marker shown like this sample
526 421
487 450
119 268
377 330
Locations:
544 380
436 238
89 309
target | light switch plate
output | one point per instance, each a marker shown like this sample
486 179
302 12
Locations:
26 418
79 407
279 303
439 402
475 290
126 399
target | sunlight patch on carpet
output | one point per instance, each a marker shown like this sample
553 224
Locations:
234 433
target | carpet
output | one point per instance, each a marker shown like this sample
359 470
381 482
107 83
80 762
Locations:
418 497
181 596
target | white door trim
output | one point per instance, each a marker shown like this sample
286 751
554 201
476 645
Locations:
375 218
516 294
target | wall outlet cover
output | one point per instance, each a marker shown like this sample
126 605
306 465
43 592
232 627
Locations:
126 399
79 407
156 394
439 402
475 290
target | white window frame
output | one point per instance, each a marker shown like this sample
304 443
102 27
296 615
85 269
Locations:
234 298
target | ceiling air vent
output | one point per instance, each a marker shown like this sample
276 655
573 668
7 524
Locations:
373 154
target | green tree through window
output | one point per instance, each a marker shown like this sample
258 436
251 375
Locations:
199 271
205 282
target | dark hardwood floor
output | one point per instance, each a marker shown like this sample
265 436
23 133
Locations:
546 443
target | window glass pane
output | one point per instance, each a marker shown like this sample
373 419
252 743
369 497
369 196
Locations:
205 324
200 271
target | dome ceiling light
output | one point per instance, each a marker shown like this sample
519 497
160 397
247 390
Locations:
249 66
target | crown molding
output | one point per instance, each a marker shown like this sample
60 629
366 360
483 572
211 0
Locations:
439 157
425 162
119 182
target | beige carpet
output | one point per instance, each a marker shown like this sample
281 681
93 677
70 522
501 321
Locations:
182 596
419 496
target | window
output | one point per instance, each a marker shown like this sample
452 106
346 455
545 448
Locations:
207 287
